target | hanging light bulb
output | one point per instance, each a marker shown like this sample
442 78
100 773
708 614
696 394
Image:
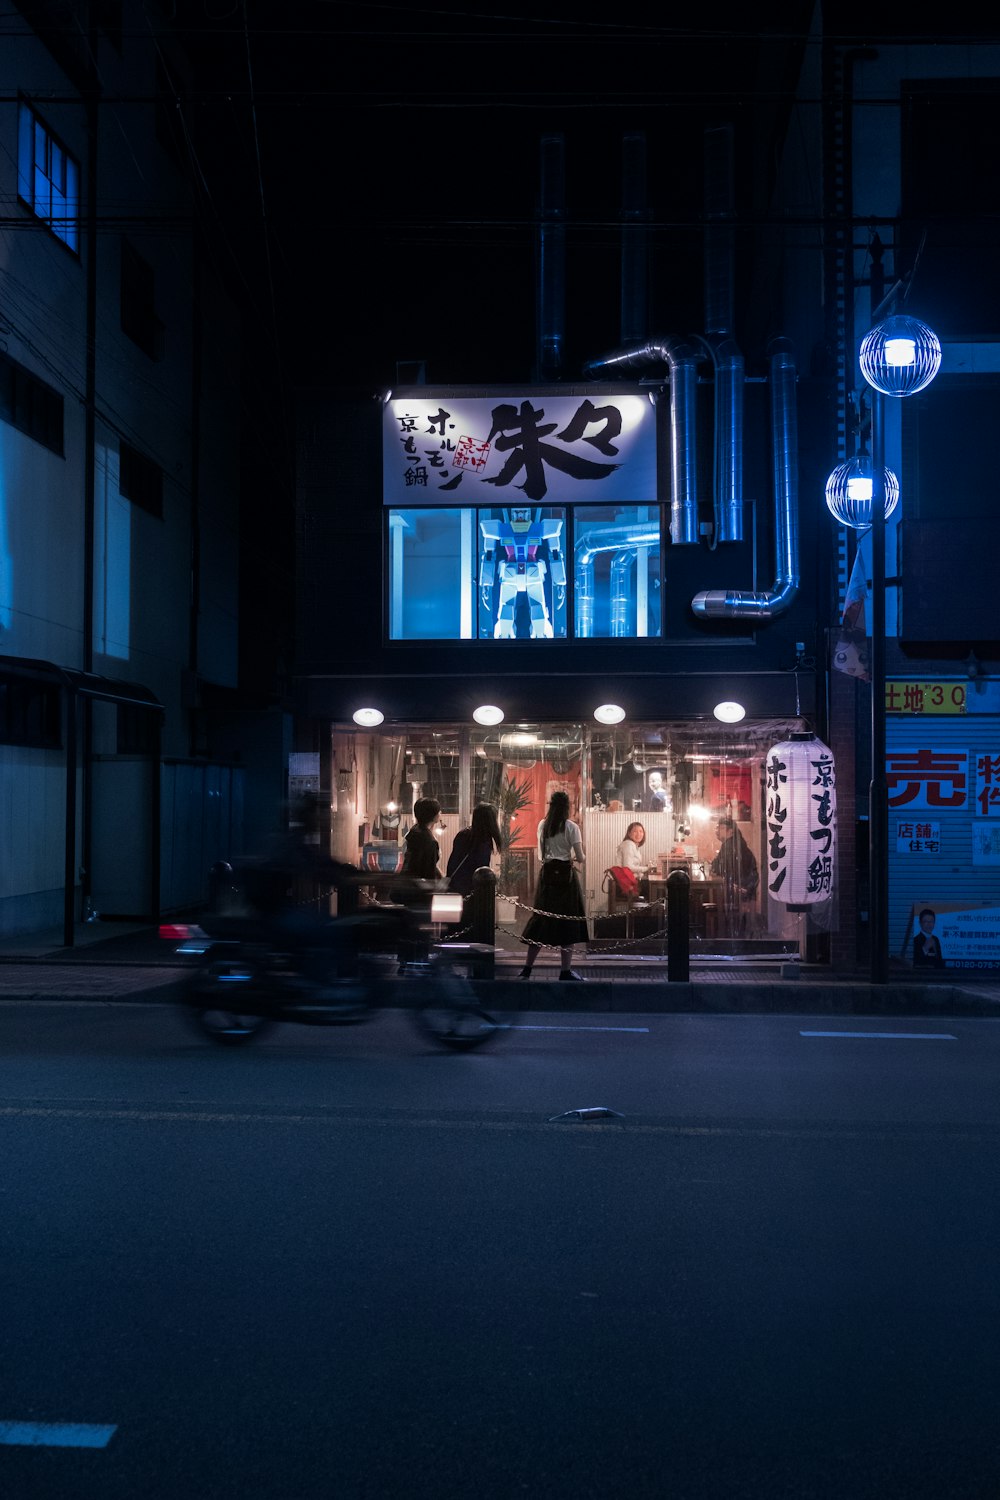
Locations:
849 492
900 356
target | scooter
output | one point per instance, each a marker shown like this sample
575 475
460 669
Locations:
244 980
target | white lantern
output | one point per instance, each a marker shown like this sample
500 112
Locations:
800 836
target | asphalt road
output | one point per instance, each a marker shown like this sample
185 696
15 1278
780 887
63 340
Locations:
340 1264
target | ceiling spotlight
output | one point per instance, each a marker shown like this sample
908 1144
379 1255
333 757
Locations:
609 713
729 713
488 713
368 717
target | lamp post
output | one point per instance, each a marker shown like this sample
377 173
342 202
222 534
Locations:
898 357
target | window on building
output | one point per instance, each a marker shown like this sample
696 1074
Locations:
30 405
29 713
110 18
136 730
140 480
616 574
138 302
512 573
169 122
48 178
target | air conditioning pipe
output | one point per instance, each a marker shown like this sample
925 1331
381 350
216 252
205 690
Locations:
623 541
737 604
681 358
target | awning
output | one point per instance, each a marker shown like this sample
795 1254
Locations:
81 684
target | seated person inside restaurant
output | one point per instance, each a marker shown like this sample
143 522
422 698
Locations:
630 854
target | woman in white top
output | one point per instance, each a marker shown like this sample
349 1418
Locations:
630 849
559 919
631 856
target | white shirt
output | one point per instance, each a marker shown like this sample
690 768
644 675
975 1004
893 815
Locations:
630 855
565 845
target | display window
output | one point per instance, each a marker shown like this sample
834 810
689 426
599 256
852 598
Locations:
524 572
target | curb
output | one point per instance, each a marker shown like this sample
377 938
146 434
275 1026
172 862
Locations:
595 995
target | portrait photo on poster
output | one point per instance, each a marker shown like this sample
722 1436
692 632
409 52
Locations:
952 935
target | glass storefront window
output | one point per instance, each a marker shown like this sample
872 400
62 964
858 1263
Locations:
616 571
685 796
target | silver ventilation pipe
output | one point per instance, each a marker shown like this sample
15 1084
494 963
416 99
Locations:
720 220
623 541
720 277
681 358
734 604
551 260
621 595
634 314
727 477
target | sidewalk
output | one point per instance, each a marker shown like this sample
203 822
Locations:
118 962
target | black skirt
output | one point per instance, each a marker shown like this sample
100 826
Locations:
562 897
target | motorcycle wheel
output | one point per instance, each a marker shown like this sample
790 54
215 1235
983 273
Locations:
455 1020
210 1004
229 1028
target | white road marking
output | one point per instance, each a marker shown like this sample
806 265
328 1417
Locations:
56 1434
892 1036
518 1026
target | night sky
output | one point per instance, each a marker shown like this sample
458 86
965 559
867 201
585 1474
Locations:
394 215
380 165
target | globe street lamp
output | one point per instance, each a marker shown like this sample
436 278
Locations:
898 357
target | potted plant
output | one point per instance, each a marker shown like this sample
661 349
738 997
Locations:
515 796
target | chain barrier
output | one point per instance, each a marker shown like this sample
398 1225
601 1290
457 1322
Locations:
613 947
623 946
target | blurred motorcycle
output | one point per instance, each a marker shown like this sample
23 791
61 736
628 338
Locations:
247 976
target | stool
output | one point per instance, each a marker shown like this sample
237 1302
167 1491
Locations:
616 901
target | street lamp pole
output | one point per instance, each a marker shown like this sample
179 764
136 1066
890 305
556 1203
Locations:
898 357
878 811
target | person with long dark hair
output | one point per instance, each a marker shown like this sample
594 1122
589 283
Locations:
473 848
736 864
558 920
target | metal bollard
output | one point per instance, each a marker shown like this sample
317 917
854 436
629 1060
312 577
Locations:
678 927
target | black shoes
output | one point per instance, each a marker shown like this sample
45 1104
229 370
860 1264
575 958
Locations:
570 974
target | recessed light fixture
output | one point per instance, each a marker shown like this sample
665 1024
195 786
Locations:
609 713
488 713
368 717
729 713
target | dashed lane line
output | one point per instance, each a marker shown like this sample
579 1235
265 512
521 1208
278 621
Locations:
56 1434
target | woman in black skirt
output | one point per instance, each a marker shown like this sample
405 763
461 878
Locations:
560 850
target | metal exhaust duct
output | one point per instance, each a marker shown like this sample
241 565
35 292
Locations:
551 259
635 251
681 358
720 278
734 604
720 215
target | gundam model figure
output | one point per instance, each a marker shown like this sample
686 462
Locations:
519 553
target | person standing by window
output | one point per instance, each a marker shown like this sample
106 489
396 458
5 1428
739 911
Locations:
559 920
473 848
420 863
